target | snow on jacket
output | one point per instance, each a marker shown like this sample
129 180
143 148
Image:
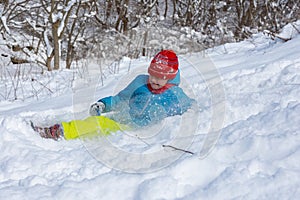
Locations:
145 107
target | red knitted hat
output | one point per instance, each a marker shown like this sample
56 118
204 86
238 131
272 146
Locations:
164 65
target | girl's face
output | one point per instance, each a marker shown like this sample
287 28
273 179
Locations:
157 83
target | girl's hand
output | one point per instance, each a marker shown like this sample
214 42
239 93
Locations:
96 109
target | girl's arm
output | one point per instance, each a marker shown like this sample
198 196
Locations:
111 102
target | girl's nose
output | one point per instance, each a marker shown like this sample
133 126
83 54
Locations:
153 80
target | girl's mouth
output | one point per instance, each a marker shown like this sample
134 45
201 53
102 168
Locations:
155 85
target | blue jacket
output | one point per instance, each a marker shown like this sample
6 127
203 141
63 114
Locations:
145 107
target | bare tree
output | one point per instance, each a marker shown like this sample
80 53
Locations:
50 31
43 27
58 17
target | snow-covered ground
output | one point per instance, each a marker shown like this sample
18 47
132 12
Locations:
256 155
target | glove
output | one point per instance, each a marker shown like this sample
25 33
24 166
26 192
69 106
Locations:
97 108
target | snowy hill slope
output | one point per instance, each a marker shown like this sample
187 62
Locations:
257 155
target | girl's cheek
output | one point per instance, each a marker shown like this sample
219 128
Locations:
162 82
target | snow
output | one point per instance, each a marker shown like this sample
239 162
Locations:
250 107
3 21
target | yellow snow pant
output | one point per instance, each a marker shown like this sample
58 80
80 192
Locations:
91 127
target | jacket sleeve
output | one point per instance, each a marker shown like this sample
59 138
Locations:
184 102
111 102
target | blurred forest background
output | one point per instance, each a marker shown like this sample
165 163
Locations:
55 34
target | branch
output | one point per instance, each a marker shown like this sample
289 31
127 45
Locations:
178 149
274 35
296 28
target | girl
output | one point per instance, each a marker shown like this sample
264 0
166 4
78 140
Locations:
148 99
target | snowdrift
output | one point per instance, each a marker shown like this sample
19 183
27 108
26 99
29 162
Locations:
256 155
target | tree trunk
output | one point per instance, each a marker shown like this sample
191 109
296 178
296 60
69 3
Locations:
56 45
48 63
166 9
70 56
145 42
